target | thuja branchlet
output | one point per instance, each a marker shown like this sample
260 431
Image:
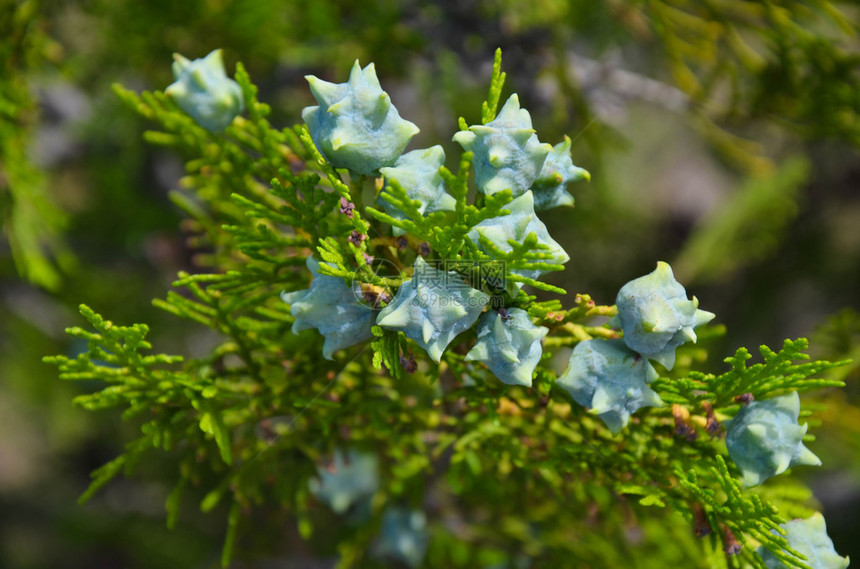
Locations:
340 258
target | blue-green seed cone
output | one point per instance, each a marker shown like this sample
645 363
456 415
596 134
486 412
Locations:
331 307
403 537
432 308
508 154
352 477
355 126
610 380
510 346
764 439
517 225
203 91
809 538
417 172
558 171
656 316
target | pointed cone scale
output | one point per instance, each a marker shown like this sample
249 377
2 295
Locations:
383 103
615 420
198 79
703 317
498 157
667 360
464 138
781 462
180 63
751 478
478 352
650 398
395 318
509 354
601 401
522 135
805 457
324 92
427 331
688 334
758 431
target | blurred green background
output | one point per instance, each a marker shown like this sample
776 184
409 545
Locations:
722 137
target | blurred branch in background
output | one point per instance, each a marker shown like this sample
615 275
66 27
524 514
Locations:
792 62
31 220
747 228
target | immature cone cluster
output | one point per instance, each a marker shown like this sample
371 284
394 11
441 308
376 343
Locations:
355 126
203 90
509 156
610 380
611 377
809 538
764 439
432 308
331 307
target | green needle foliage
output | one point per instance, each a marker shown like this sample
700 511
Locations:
505 476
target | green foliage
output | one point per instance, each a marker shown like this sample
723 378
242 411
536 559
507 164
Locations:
30 219
839 337
506 473
777 375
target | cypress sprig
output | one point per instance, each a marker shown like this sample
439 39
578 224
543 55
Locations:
778 374
256 421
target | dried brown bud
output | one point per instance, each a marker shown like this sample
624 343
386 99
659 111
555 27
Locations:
375 296
745 398
712 426
682 427
408 363
731 545
346 207
701 525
